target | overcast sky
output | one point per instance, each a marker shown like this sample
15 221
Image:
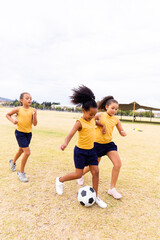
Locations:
49 47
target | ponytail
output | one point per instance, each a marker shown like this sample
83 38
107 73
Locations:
106 101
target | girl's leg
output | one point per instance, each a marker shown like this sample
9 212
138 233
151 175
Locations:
114 157
24 158
80 181
71 176
95 180
99 159
18 154
95 176
87 169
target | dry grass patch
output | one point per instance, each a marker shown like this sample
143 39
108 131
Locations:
33 210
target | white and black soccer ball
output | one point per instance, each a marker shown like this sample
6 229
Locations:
86 196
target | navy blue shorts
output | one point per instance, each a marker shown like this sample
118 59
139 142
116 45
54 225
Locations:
103 149
23 139
84 157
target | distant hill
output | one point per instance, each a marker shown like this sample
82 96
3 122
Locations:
5 100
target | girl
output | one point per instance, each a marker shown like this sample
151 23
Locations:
84 152
26 115
105 122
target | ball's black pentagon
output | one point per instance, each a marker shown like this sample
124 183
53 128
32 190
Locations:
91 189
83 193
82 203
91 200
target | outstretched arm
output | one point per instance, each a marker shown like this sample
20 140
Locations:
120 129
9 115
76 128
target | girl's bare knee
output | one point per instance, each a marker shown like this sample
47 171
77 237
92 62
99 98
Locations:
79 175
27 153
118 165
20 150
95 172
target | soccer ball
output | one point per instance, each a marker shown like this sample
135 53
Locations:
86 196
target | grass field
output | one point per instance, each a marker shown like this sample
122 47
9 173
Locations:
33 210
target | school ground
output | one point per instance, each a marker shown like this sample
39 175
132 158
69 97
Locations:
33 210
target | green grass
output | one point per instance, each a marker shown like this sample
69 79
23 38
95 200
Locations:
33 210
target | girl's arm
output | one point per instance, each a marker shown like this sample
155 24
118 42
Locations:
9 115
76 128
120 129
34 118
97 118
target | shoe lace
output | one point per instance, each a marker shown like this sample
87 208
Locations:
98 198
24 174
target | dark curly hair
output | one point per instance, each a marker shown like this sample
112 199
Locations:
106 101
83 96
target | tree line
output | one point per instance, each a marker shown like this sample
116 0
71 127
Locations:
136 113
56 107
45 106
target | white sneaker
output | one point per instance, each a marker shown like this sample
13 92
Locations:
59 186
12 165
113 192
100 203
22 176
80 181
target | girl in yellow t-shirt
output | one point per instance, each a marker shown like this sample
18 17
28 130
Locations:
26 116
106 121
84 152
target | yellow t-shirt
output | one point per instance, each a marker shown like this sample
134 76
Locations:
86 136
24 118
110 122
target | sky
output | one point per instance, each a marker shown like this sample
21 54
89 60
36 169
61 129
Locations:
49 47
